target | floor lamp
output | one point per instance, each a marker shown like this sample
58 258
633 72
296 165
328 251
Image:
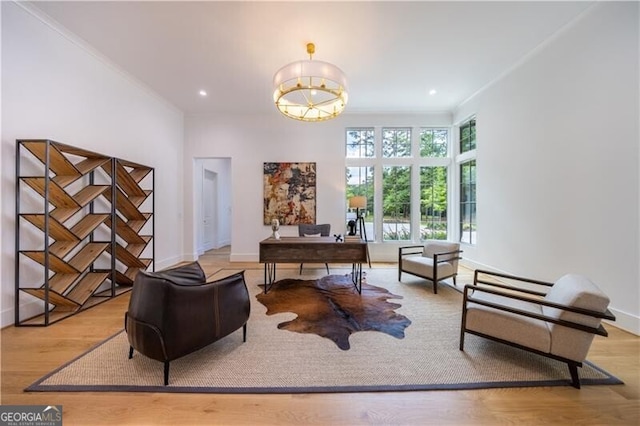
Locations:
360 202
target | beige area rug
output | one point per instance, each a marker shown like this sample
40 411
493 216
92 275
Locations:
281 361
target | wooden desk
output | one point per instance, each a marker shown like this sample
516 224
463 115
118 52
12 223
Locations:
311 250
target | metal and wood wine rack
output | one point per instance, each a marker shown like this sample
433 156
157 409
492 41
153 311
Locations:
93 229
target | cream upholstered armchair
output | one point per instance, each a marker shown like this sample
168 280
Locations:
435 260
559 322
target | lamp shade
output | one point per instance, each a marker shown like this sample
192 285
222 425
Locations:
310 90
358 202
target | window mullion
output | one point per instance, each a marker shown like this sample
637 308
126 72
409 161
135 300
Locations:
377 183
415 184
415 202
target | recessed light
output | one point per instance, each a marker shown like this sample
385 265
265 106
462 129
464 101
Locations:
203 93
433 92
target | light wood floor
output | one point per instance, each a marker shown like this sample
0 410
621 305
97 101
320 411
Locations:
29 353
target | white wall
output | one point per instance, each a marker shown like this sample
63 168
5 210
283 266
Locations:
251 140
558 160
54 87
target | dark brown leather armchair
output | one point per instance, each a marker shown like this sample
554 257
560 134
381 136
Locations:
175 312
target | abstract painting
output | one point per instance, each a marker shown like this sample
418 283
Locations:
289 193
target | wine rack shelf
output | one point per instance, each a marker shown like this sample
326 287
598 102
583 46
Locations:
94 217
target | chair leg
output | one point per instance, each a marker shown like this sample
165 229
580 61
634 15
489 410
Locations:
327 266
130 352
244 332
301 268
166 373
463 322
454 281
435 277
575 379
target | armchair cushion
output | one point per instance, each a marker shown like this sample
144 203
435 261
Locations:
420 265
509 326
435 247
578 292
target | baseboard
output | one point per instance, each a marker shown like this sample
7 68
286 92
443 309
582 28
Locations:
189 257
27 310
222 243
625 321
471 264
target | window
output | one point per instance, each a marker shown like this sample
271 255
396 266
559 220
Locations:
434 142
433 203
396 202
396 143
467 210
405 174
468 136
360 143
468 202
360 182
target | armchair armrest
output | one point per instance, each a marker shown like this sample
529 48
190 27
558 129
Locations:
448 259
407 250
477 280
511 295
410 250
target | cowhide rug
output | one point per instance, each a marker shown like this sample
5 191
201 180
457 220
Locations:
331 307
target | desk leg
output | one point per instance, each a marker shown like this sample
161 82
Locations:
269 276
356 276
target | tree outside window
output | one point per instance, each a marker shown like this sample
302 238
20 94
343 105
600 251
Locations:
360 143
396 142
433 203
434 142
396 202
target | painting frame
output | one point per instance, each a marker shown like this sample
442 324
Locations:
289 192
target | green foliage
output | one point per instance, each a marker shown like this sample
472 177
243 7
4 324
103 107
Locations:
396 143
360 143
396 192
433 191
360 182
433 142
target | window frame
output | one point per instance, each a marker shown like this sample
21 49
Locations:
463 158
416 162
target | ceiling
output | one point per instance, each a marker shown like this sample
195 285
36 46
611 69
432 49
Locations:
393 53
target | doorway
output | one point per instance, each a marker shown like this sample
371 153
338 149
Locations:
209 201
212 178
